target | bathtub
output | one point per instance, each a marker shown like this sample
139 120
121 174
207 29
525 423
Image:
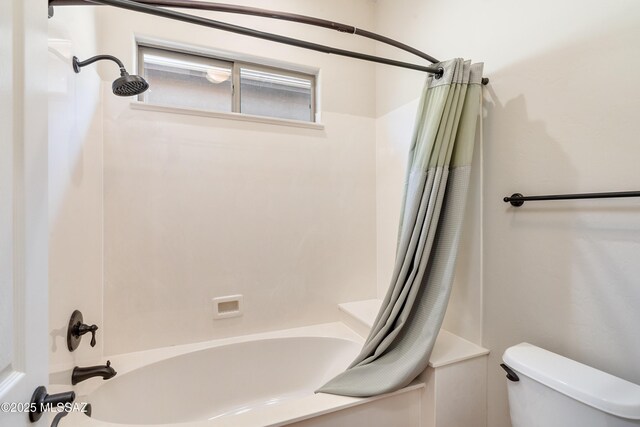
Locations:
256 380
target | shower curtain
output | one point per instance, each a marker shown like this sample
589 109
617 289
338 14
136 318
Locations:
404 332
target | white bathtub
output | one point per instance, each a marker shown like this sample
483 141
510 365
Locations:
258 380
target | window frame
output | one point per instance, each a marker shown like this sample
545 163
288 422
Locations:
237 62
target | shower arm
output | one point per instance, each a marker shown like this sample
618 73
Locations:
153 7
77 64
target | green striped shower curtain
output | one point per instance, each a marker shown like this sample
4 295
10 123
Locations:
404 332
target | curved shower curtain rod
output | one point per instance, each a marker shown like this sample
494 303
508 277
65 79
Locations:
153 7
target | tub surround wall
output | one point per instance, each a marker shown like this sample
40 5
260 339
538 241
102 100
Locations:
561 275
75 186
197 208
201 207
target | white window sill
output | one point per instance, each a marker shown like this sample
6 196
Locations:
137 105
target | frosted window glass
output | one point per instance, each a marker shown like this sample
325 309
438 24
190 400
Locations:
187 81
271 94
184 80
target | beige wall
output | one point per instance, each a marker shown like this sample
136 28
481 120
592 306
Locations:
75 185
561 115
199 207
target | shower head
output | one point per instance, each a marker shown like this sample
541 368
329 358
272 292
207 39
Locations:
129 85
125 85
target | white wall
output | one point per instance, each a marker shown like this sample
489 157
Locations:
560 116
75 185
199 207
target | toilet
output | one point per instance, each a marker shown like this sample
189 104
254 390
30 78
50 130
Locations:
549 390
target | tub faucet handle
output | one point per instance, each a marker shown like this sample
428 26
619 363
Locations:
83 329
77 328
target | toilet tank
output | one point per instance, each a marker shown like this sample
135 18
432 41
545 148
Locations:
553 391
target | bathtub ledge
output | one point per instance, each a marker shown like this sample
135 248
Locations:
449 348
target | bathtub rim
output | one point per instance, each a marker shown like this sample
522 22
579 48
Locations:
280 415
127 362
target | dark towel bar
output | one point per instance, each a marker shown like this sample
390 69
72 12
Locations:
517 199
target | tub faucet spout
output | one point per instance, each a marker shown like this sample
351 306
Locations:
81 374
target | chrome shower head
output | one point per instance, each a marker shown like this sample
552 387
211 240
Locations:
125 85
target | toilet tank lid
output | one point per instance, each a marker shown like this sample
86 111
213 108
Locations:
581 382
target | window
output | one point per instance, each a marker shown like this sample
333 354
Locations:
187 80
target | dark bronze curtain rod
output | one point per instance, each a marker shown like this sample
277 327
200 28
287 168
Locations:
265 13
153 7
